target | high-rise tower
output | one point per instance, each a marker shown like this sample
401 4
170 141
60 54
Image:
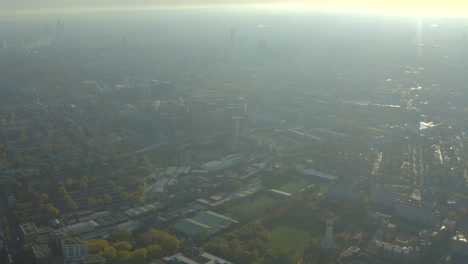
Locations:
237 128
328 244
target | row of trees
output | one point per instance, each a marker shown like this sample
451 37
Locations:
72 205
124 247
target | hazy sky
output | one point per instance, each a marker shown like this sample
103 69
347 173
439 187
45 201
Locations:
403 7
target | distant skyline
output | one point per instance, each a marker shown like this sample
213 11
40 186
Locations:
394 7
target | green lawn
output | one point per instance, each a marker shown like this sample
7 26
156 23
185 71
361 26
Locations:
295 184
254 207
289 237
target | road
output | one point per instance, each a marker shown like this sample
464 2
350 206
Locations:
11 240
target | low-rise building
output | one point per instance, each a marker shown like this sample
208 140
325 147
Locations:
399 247
31 232
139 211
416 212
224 163
194 256
342 193
73 249
279 194
385 198
459 245
93 259
42 254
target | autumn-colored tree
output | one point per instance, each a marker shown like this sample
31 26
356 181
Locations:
109 253
94 247
155 251
73 205
44 197
91 202
83 184
61 191
52 211
67 198
107 199
122 245
139 256
124 257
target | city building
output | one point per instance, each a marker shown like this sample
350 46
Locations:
42 254
237 126
279 194
384 198
31 232
93 259
416 212
73 249
194 256
459 244
224 163
398 247
342 193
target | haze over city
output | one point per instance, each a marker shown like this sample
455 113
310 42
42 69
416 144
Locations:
234 132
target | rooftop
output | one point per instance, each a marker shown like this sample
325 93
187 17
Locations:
280 192
41 251
204 258
72 241
28 228
93 259
460 238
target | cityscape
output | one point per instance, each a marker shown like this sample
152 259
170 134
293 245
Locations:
235 136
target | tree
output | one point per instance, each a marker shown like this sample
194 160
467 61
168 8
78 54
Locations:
69 182
61 191
52 211
94 247
280 256
107 199
124 196
85 179
25 255
155 251
122 245
218 246
73 205
67 198
168 242
44 197
145 160
139 256
124 257
83 184
111 184
109 253
91 202
236 185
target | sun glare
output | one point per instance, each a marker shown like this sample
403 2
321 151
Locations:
416 8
